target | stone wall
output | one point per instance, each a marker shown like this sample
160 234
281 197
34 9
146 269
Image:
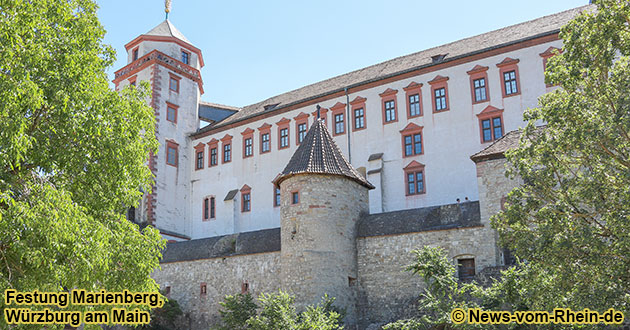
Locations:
223 276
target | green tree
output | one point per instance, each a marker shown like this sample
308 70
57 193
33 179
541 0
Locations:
72 156
571 218
236 310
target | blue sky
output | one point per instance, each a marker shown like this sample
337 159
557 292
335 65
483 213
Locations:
257 49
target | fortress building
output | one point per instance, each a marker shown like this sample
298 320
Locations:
329 187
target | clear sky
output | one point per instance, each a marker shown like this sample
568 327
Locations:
257 49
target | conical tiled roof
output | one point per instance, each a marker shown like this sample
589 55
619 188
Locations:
318 154
167 29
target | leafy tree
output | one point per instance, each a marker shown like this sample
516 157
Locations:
72 156
278 311
571 218
164 318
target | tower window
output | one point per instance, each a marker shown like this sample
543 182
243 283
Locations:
171 153
276 196
173 83
171 114
134 54
295 197
185 57
203 289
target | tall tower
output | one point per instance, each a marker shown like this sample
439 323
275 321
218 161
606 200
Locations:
166 59
322 199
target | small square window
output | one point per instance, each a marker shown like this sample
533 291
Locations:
295 197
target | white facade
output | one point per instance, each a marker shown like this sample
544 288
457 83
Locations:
448 139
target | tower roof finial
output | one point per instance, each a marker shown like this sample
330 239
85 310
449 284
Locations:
167 7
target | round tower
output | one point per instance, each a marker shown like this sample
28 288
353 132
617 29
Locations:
322 199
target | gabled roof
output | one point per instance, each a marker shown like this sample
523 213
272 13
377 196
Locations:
318 154
546 26
167 29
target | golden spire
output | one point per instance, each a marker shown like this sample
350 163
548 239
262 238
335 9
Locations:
167 7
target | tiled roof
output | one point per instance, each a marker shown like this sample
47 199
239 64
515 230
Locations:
167 29
497 149
260 241
215 112
539 27
319 154
452 216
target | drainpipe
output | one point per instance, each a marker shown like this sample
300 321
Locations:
348 120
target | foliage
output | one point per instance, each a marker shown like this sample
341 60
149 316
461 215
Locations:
236 310
571 218
164 318
278 311
72 156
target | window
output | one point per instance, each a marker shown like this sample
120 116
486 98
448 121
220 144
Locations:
466 268
206 208
199 164
358 111
248 147
284 137
439 92
322 114
295 197
390 111
414 178
509 79
227 153
276 196
413 144
508 70
339 126
491 124
301 132
359 118
546 55
301 126
171 153
414 105
203 289
283 133
247 202
388 99
492 129
440 99
213 156
411 140
480 89
132 80
265 144
173 84
185 57
171 112
134 54
246 198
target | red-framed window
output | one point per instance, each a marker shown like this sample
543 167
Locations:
213 152
199 156
413 94
546 55
172 153
412 140
491 124
358 109
276 196
226 148
173 83
246 198
479 84
171 112
208 208
388 102
338 115
439 94
284 140
508 73
248 142
265 138
185 56
415 180
301 127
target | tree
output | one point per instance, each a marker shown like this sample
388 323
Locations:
72 156
571 218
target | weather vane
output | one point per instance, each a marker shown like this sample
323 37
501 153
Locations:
167 7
